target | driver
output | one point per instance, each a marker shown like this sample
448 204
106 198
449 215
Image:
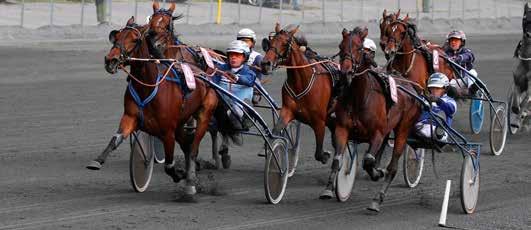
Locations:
456 51
440 97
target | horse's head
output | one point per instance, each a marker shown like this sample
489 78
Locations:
395 34
351 53
161 28
124 42
277 47
385 21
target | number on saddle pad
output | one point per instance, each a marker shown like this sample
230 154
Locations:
436 60
207 57
392 89
188 76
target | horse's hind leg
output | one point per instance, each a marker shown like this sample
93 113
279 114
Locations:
390 173
341 138
127 126
215 153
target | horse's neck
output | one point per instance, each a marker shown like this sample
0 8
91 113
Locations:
298 76
403 62
147 72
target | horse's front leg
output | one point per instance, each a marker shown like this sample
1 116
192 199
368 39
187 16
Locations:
369 161
286 115
341 139
128 124
390 173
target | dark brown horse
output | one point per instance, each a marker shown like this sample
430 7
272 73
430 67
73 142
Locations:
307 91
161 37
365 116
384 22
406 52
164 116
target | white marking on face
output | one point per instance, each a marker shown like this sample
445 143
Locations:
394 28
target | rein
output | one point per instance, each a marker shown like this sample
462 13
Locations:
524 58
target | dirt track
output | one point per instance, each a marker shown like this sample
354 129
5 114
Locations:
59 109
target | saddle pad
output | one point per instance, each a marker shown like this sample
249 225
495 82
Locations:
392 89
188 76
208 58
436 60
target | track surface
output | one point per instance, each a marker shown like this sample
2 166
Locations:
59 108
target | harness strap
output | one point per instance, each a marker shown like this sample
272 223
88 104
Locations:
305 91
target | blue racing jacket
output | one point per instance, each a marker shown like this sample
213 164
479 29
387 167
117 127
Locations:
245 75
464 57
446 105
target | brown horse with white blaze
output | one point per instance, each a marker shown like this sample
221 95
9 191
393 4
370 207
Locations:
406 52
307 92
165 114
364 114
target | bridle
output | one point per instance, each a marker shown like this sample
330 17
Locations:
281 58
343 56
123 52
398 44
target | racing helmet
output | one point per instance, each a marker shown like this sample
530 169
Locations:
369 44
246 33
238 46
438 80
459 34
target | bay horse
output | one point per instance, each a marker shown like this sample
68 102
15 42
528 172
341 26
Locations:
155 105
384 22
307 92
407 54
364 114
161 37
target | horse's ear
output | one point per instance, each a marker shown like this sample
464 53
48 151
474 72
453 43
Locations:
384 13
131 21
172 7
293 31
364 33
277 27
156 6
344 32
406 18
398 13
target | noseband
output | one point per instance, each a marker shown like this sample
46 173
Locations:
350 56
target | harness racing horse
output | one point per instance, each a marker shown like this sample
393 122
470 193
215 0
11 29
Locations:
308 88
161 37
384 22
364 114
408 54
521 75
156 105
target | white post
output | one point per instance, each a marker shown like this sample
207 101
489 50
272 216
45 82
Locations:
260 12
362 8
280 12
136 9
302 8
463 12
322 10
239 11
444 210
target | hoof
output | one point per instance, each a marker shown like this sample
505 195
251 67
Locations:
369 162
225 161
197 166
94 165
323 158
190 190
326 194
175 174
375 207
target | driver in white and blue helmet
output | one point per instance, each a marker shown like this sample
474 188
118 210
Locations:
439 88
255 58
237 77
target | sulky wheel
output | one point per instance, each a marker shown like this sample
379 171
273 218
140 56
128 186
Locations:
276 171
141 160
347 173
292 133
469 185
498 130
413 166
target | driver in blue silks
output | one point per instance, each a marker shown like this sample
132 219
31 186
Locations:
457 52
441 96
237 77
